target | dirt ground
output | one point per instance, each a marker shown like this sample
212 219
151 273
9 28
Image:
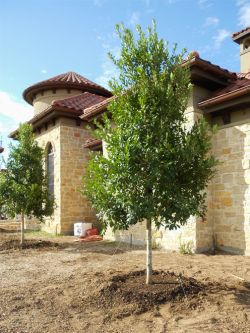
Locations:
58 285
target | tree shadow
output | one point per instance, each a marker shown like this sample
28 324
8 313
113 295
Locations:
243 294
102 247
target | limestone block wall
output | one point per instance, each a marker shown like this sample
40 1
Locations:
230 200
161 238
73 159
204 227
70 160
52 134
136 234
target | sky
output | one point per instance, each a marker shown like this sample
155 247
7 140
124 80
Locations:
43 38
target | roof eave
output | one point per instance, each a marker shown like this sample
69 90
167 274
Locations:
51 113
237 39
94 145
209 67
29 92
225 97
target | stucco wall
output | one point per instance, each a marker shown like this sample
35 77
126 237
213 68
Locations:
44 99
244 58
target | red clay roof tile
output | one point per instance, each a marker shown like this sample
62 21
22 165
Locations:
67 80
74 105
92 143
96 109
237 88
79 102
208 66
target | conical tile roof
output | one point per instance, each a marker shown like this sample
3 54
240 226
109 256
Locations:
69 80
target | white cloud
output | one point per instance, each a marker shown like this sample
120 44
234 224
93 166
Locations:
12 113
109 70
221 35
211 21
240 2
110 43
134 19
44 71
244 13
204 4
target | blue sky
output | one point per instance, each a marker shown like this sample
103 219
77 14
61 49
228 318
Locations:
43 38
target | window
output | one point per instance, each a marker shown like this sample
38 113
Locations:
50 168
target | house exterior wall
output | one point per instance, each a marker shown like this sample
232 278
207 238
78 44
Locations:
227 223
244 57
74 159
44 99
230 201
197 232
52 135
70 160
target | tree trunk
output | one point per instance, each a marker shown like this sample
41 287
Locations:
149 268
22 229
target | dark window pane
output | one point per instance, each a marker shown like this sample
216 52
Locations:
50 169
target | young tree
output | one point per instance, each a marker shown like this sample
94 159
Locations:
156 168
23 186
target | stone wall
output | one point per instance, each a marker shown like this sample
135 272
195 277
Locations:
52 135
230 200
74 159
70 160
161 238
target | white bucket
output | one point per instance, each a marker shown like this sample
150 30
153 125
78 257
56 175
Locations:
80 228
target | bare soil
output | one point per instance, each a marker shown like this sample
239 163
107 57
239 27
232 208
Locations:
57 285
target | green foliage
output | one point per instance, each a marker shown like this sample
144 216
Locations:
156 168
186 247
23 186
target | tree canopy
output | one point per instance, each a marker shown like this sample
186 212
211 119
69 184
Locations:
23 185
156 165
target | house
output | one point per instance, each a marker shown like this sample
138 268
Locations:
66 105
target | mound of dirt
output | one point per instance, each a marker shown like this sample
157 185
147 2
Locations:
128 294
14 244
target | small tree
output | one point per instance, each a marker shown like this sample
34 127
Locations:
23 186
156 168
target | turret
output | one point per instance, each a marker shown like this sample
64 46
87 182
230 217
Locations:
243 39
42 94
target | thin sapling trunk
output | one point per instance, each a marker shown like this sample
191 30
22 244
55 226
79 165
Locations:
149 268
22 229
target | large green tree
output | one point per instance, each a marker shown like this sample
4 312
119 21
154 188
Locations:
23 185
156 167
